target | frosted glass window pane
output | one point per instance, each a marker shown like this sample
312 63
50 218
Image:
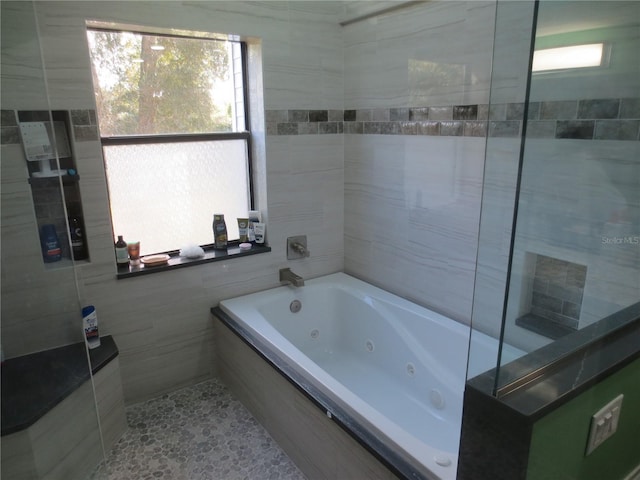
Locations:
165 194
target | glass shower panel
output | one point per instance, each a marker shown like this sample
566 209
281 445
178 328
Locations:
44 433
571 180
576 247
511 52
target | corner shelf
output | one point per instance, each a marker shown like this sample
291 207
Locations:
66 180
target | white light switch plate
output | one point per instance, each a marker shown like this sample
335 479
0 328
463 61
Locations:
604 423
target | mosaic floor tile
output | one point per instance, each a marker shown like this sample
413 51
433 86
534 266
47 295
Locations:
197 433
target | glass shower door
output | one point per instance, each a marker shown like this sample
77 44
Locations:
560 231
49 416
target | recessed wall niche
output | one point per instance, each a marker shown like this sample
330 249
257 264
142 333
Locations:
54 205
555 299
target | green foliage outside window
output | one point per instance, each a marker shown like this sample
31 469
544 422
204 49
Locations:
141 89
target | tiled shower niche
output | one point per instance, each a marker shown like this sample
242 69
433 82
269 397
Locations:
56 196
557 290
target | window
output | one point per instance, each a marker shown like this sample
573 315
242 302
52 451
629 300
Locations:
570 57
173 127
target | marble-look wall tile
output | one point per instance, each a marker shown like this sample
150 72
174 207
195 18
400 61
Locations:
399 114
306 128
23 80
349 116
597 185
353 127
498 200
428 128
441 113
506 120
512 28
541 129
420 113
161 322
411 218
582 129
401 57
475 129
9 131
617 130
605 108
505 128
453 128
301 44
566 109
465 112
630 108
533 110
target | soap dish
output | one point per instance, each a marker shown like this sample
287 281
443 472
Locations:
152 260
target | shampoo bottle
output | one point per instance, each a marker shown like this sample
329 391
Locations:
219 232
90 326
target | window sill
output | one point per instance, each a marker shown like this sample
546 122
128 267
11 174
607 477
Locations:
176 261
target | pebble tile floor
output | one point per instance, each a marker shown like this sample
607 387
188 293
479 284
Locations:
196 433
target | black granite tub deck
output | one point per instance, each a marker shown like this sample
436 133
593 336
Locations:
33 384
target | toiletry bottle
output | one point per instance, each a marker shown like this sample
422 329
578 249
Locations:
254 217
90 326
219 232
259 229
76 234
51 250
243 229
122 255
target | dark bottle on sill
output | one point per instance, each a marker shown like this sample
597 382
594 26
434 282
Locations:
219 232
122 255
76 235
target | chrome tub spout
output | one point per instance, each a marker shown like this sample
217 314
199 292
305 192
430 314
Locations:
286 275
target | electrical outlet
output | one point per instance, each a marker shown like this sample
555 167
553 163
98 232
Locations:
604 423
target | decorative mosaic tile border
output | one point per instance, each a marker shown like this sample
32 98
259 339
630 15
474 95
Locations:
83 122
603 119
599 119
85 125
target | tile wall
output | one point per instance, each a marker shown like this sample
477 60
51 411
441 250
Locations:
161 322
372 140
588 119
558 287
595 182
414 149
579 150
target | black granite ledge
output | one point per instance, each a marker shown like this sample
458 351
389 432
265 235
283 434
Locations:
176 261
392 459
34 384
496 430
544 379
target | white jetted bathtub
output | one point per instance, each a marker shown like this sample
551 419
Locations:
396 369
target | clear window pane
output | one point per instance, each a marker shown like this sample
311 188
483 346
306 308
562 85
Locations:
146 84
165 194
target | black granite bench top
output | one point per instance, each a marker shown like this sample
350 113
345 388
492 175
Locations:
33 384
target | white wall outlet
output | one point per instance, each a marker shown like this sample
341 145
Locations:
604 423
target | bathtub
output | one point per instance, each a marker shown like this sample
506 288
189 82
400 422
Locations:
390 371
